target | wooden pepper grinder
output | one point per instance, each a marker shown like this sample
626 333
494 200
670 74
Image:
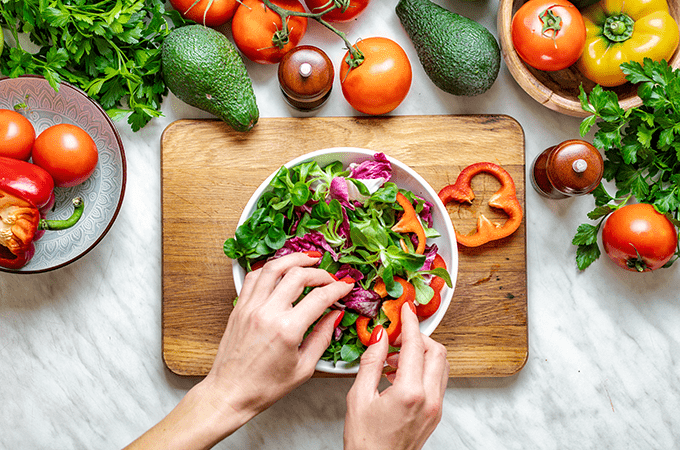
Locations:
306 77
571 168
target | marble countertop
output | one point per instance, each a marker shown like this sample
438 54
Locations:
80 347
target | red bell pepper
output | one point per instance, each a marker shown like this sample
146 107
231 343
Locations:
391 308
25 189
27 181
423 311
409 223
505 198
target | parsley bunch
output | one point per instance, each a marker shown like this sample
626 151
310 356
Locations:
641 148
109 48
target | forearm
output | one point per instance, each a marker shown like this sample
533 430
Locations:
195 423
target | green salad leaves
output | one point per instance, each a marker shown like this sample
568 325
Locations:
109 48
641 148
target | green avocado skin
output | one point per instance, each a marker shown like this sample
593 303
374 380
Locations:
204 69
459 55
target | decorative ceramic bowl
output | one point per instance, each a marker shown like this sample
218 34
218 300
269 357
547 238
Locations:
405 178
102 192
559 90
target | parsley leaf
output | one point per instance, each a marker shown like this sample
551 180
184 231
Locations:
108 48
641 147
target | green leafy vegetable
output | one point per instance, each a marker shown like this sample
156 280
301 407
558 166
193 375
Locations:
109 48
641 148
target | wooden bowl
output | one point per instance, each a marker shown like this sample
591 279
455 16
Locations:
559 90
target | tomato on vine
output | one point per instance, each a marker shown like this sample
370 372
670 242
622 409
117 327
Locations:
259 33
381 82
638 238
16 135
211 13
345 10
548 34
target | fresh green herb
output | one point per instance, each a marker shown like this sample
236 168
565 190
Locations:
109 48
641 148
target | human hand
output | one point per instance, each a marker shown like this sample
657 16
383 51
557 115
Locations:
405 414
262 355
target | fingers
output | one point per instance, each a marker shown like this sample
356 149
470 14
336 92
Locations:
436 366
315 303
318 340
260 283
371 367
411 356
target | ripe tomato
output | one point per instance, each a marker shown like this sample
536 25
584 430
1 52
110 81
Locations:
67 153
548 34
355 8
638 238
16 135
211 13
254 26
382 81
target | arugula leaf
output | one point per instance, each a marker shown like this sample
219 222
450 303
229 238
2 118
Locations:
108 48
641 148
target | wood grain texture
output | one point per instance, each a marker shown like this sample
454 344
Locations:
209 172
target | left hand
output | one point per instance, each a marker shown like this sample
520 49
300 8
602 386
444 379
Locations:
263 354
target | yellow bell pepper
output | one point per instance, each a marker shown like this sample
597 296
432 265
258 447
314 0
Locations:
619 31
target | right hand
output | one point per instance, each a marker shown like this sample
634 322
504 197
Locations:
405 414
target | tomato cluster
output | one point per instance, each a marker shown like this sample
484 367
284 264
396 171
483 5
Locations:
375 75
64 151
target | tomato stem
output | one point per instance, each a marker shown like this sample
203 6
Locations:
278 37
550 21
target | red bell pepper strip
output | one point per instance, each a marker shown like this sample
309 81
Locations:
20 223
27 181
505 198
409 223
423 311
362 329
391 308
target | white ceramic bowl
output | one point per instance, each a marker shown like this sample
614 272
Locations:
405 178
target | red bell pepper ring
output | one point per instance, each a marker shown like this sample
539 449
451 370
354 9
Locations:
409 223
362 329
505 198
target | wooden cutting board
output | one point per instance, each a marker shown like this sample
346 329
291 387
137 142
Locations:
209 172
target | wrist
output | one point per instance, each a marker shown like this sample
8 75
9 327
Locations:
229 411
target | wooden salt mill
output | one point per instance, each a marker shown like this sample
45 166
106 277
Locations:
306 77
571 168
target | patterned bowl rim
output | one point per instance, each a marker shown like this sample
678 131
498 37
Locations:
123 171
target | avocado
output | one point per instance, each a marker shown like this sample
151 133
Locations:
203 68
459 55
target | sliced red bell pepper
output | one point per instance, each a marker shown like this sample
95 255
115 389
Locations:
409 223
423 311
505 198
362 329
391 308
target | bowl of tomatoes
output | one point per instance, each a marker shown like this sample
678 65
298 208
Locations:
69 136
349 208
543 63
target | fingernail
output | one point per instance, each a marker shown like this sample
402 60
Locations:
313 254
334 277
338 319
376 335
348 280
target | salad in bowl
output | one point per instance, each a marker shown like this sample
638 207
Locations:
374 220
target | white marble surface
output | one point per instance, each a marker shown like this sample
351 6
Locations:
80 348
